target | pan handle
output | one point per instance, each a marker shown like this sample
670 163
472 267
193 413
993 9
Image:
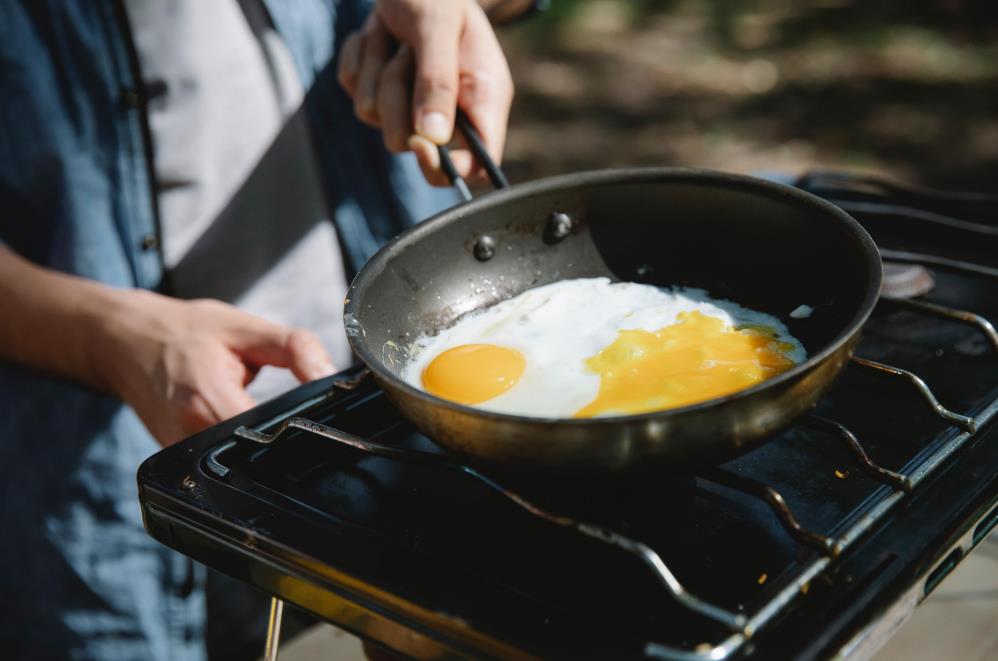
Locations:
477 147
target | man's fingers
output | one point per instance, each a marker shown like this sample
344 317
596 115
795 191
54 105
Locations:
393 100
307 358
486 101
376 52
260 342
428 158
350 62
217 398
195 416
451 58
486 86
227 399
466 165
436 82
299 350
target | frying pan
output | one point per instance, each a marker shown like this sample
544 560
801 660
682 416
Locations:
765 246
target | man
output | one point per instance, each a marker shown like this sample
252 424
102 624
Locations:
184 194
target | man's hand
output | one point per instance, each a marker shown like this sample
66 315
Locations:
182 365
414 63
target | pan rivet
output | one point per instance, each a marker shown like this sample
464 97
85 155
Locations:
559 226
485 248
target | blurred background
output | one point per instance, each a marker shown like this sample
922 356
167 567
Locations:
908 89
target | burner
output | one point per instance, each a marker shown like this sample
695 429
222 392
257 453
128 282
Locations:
904 281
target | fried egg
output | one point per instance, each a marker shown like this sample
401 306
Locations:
590 347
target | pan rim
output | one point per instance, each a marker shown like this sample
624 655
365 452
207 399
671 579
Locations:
375 265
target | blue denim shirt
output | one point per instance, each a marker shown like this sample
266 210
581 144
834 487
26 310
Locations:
80 577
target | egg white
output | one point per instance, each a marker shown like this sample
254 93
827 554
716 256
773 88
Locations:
559 326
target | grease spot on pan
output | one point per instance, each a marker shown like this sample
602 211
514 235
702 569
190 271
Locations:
394 355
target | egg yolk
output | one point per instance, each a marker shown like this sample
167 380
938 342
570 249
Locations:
473 373
693 360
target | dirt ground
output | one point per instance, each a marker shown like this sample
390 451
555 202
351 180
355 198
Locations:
908 89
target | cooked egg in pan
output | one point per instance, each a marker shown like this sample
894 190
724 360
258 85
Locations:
589 347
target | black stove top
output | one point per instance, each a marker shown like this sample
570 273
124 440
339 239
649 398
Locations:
821 540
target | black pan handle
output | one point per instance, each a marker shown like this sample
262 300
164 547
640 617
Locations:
477 147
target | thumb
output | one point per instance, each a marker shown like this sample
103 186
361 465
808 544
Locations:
436 82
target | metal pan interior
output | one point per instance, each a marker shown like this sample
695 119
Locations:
765 246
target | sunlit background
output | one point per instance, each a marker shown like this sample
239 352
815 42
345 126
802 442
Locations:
907 88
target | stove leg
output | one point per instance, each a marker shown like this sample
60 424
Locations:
273 630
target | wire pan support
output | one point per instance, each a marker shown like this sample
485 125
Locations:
741 627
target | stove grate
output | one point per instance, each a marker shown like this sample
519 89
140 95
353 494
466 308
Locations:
741 627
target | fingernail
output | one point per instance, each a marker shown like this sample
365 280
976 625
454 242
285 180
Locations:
435 127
